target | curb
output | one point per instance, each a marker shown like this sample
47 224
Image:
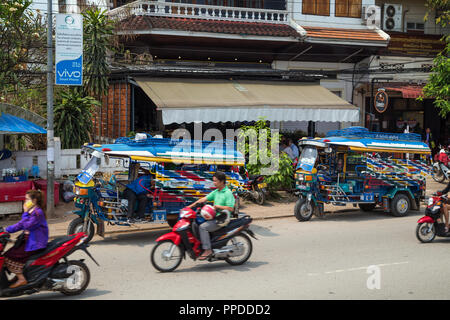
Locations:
167 227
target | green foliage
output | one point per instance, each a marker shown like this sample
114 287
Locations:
73 118
442 8
97 40
284 177
438 86
281 178
22 41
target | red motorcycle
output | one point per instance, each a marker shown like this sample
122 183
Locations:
49 270
229 243
431 224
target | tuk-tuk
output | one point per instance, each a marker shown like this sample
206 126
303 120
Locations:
181 172
362 168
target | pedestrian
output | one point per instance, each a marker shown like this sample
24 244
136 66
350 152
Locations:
33 239
427 137
284 147
295 151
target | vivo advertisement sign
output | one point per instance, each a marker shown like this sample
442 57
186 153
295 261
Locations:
69 49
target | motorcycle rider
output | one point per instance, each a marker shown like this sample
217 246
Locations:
34 238
223 199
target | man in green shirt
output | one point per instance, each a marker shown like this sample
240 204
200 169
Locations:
223 200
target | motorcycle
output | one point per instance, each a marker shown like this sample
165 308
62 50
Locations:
431 224
230 243
441 170
49 270
255 189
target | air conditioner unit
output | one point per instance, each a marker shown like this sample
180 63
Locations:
371 16
392 17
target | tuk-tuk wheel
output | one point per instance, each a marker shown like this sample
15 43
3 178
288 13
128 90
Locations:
302 211
76 226
400 205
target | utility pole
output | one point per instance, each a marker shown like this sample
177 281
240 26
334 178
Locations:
50 132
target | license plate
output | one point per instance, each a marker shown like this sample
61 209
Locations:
262 185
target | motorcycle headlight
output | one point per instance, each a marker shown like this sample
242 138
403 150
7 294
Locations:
300 177
430 201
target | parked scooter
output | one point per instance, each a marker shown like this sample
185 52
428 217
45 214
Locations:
441 167
431 224
229 243
49 270
255 189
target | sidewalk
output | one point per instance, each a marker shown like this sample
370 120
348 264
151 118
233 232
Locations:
281 208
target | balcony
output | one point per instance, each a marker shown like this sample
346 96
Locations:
199 11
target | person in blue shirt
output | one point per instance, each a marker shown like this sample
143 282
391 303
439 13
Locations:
138 189
295 151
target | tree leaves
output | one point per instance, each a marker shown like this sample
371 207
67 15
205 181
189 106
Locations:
438 86
73 117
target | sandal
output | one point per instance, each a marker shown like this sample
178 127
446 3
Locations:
204 257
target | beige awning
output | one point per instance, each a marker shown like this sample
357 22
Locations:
214 100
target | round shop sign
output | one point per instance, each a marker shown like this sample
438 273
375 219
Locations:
381 101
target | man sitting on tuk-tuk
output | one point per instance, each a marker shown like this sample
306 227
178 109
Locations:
138 189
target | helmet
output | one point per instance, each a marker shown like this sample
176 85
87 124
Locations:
208 212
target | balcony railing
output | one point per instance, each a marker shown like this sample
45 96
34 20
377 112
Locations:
209 12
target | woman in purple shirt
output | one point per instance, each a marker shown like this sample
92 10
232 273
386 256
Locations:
35 229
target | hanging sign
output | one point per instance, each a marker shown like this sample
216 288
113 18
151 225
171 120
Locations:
381 100
69 49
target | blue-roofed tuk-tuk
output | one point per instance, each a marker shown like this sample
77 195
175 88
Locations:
366 169
181 172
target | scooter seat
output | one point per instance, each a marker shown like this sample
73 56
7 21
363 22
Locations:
52 245
235 223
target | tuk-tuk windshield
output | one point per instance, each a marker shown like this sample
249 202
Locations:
308 158
90 170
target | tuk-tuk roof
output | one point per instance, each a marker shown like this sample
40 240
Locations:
152 149
361 139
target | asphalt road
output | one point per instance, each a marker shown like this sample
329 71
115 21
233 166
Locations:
325 258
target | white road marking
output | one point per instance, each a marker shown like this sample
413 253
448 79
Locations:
360 268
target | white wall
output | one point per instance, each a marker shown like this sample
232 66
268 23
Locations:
331 21
65 161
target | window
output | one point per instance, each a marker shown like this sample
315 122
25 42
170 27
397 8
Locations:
348 8
415 26
317 7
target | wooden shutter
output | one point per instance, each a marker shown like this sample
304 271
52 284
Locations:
341 8
323 7
354 8
309 7
348 8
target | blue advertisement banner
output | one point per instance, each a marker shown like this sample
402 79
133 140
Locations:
69 49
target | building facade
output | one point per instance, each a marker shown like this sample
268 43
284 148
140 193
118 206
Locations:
336 43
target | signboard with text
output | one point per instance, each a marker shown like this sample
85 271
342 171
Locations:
69 49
